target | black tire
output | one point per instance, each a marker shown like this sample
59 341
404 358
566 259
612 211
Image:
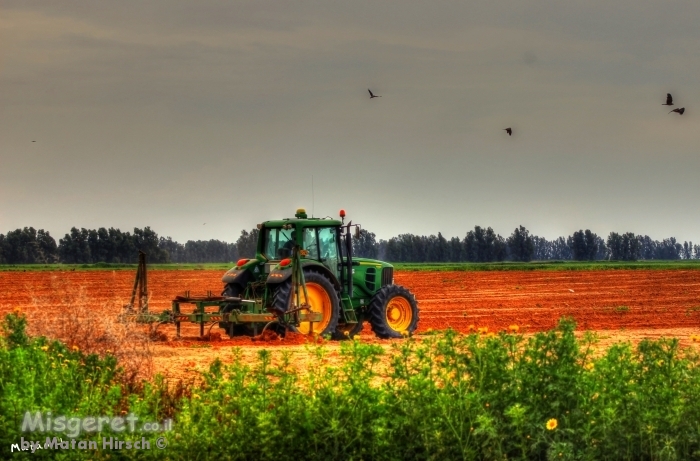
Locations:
320 289
349 330
382 313
234 329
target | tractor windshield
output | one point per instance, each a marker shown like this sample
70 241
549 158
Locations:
278 243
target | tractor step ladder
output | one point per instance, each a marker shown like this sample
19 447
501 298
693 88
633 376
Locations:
349 313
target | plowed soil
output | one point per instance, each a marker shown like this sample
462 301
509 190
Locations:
630 304
598 300
535 300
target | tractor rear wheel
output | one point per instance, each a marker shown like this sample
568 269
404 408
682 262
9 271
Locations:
234 329
322 298
393 312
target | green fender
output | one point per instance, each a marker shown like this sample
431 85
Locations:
245 273
279 275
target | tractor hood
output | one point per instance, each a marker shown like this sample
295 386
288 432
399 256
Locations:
369 263
369 275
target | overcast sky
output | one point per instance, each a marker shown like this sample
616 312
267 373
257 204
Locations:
172 114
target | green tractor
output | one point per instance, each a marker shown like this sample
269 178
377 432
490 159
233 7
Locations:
305 276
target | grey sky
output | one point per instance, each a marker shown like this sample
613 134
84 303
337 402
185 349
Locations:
172 114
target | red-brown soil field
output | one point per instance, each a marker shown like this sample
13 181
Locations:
598 300
625 304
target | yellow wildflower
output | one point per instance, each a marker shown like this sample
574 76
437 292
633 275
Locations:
44 348
514 328
551 424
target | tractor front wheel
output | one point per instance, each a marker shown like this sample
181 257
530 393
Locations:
393 312
322 298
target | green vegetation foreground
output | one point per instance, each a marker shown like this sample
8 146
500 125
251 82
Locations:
449 396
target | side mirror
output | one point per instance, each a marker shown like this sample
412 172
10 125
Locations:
357 232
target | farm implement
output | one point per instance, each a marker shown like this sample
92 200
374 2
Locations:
304 279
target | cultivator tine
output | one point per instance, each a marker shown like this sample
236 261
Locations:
130 306
140 286
143 292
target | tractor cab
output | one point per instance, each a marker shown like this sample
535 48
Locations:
319 243
318 239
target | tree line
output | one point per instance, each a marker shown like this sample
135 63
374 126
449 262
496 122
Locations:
484 245
90 246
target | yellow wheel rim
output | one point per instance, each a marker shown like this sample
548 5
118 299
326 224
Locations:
399 313
319 301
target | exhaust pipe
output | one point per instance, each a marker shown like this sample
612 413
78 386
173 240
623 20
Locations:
348 252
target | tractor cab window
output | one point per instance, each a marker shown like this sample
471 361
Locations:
328 240
311 243
279 243
321 243
328 245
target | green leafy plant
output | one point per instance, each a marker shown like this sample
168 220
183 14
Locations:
551 395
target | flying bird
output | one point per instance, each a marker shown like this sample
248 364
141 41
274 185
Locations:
371 95
33 141
509 131
669 100
680 111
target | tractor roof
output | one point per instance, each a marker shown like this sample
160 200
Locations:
300 218
308 222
